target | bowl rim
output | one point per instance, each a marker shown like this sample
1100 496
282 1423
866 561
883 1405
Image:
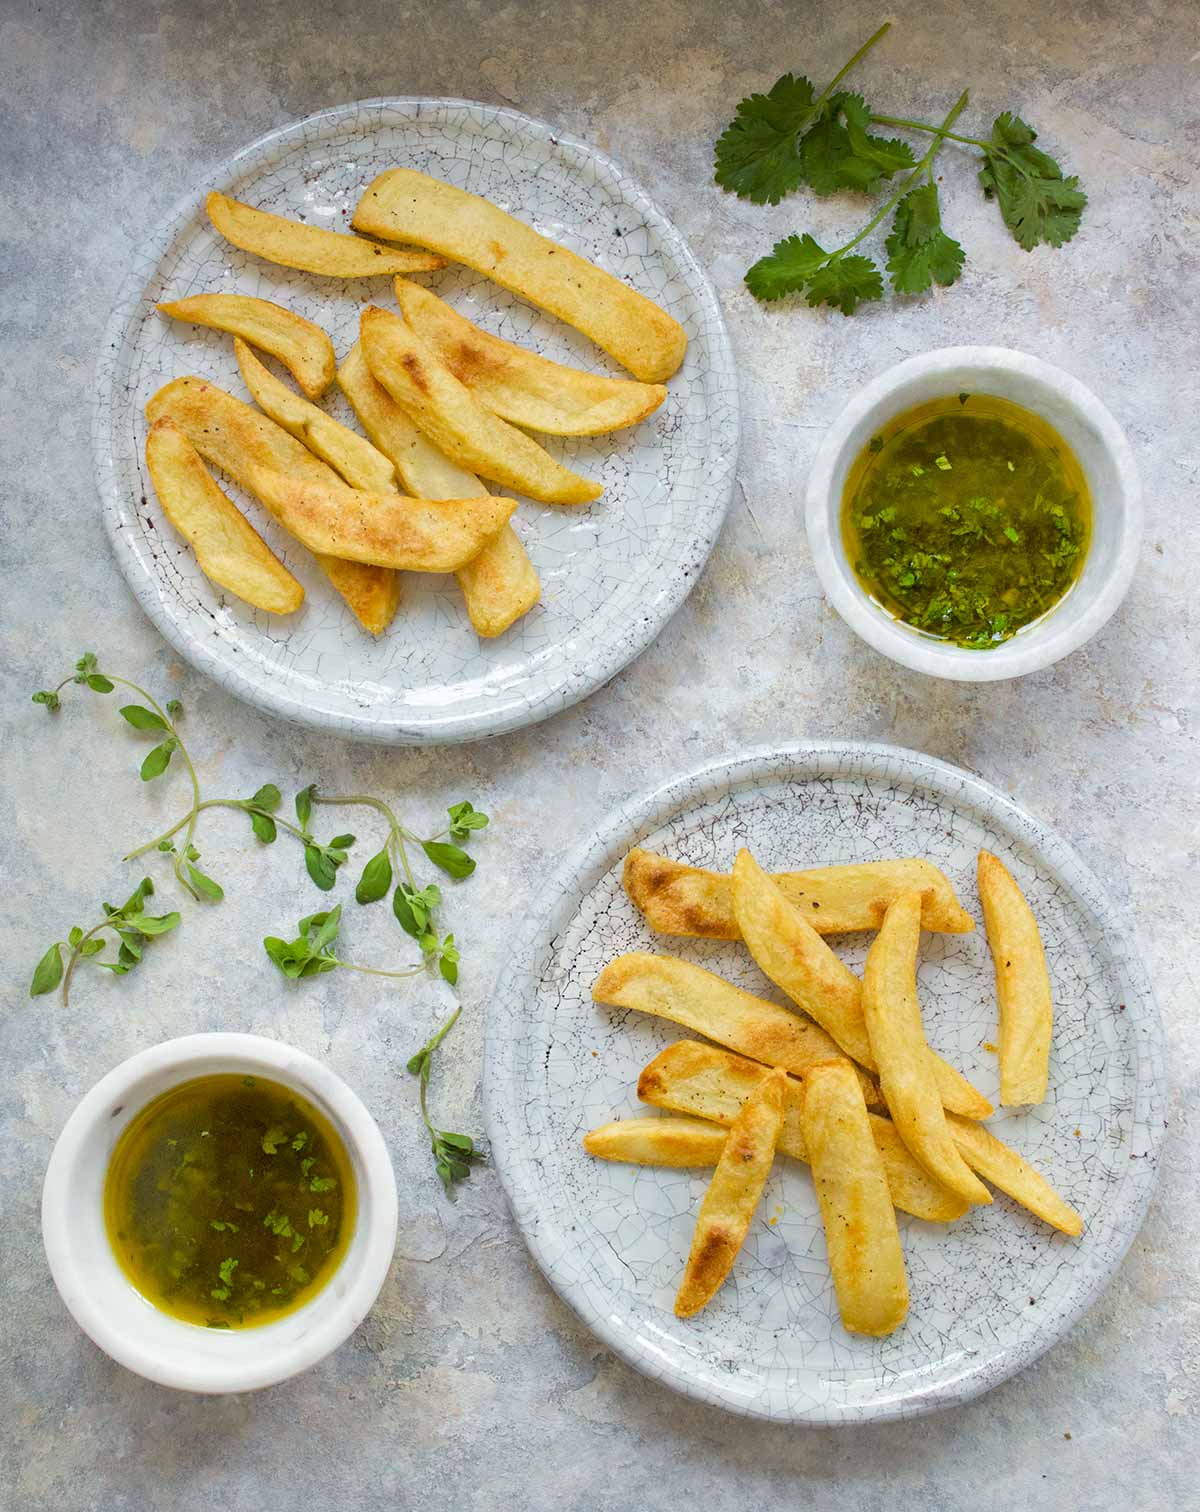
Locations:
273 1359
1042 645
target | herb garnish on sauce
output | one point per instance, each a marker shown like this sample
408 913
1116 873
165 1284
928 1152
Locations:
967 517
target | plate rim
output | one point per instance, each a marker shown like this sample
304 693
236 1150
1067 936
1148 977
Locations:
627 824
365 724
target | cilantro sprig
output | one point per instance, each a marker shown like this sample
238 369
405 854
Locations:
792 138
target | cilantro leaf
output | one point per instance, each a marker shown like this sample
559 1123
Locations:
873 158
824 152
786 269
756 154
845 283
919 251
1036 202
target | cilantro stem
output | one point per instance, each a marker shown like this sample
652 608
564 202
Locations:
858 56
889 205
938 131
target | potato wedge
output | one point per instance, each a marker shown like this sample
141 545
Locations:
798 961
520 386
709 1005
500 584
455 421
1022 984
391 530
302 347
728 1207
688 900
235 437
313 249
893 1016
1004 1168
707 1083
228 548
856 1206
348 453
404 205
678 1142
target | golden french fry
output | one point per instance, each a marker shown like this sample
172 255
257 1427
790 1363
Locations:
1004 1168
856 1206
302 347
228 548
798 961
404 205
235 437
412 535
707 1083
293 244
500 584
688 900
455 421
893 1016
679 1142
345 450
520 386
1022 984
699 1000
729 1203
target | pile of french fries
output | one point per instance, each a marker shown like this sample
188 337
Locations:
442 402
844 1079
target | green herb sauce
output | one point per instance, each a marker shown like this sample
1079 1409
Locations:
967 518
229 1201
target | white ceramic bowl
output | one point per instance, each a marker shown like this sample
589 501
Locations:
1086 426
101 1297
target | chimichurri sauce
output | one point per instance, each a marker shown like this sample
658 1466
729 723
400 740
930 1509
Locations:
229 1201
967 518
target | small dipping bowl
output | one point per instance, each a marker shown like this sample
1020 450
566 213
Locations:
1083 423
99 1294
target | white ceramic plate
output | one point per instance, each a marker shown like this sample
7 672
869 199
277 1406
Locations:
612 573
990 1292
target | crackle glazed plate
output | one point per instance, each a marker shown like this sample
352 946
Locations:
612 573
989 1293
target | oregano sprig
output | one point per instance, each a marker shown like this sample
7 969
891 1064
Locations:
452 1153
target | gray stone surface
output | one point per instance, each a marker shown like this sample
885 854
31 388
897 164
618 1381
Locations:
471 1386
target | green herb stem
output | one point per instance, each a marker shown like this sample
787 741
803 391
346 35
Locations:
938 131
397 832
889 205
77 956
857 58
198 808
375 971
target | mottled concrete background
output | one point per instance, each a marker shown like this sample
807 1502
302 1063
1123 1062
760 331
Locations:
471 1387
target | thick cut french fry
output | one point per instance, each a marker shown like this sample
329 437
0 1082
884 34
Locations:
705 1082
404 205
1022 984
228 548
799 962
293 244
391 530
236 438
729 1203
856 1206
893 1015
500 584
688 900
456 422
699 1000
520 386
1004 1168
302 347
350 454
679 1142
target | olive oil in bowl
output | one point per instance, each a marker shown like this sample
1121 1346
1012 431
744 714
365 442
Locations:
229 1201
967 518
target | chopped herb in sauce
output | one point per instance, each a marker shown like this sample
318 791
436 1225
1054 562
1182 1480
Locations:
967 518
209 1202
